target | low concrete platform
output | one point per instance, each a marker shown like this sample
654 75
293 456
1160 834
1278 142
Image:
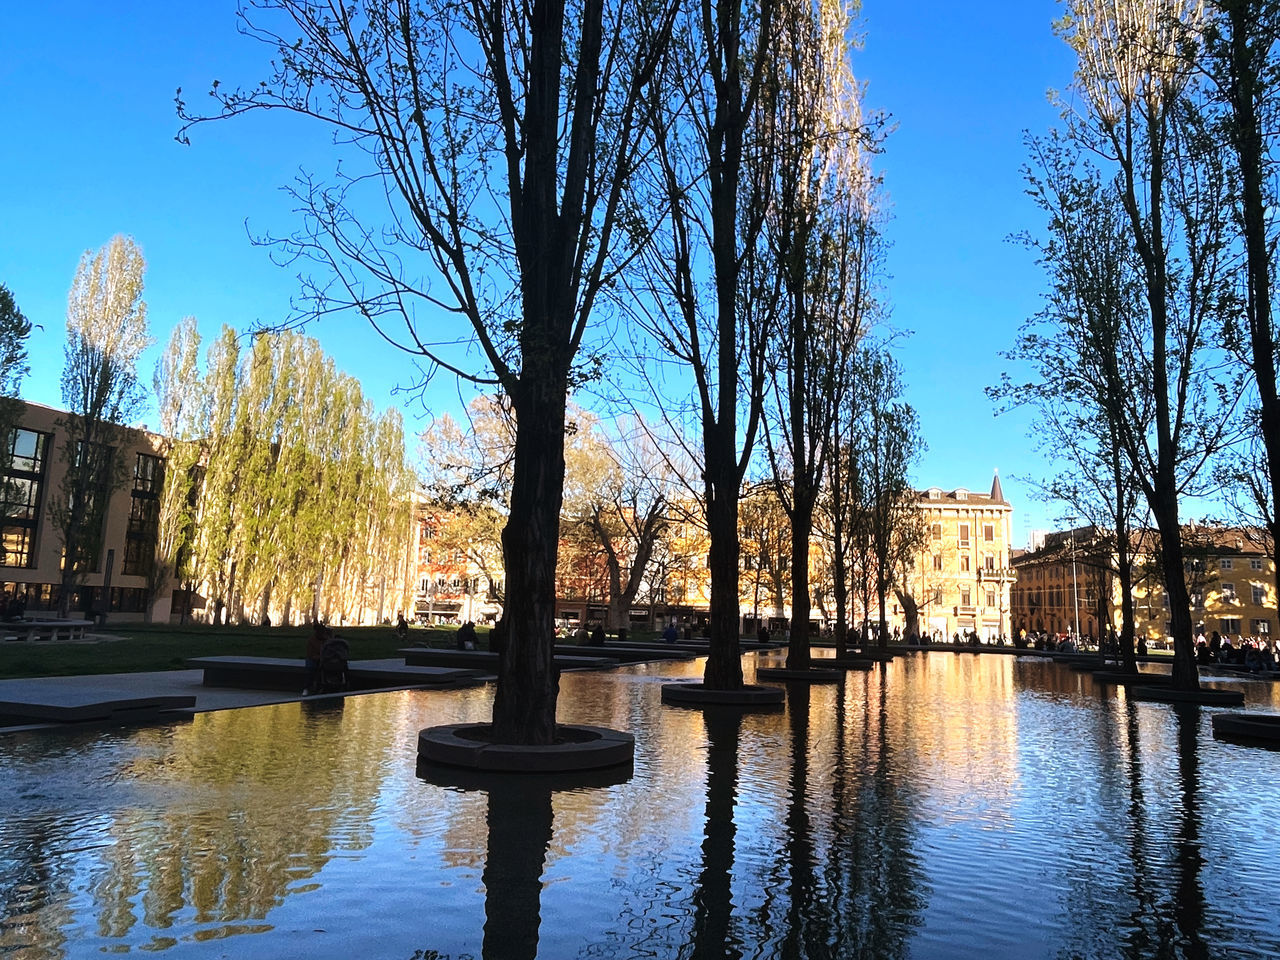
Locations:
43 630
487 661
48 703
280 673
628 652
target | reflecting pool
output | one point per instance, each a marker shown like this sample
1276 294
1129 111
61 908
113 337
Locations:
941 806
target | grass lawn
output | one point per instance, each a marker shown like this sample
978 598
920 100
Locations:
143 648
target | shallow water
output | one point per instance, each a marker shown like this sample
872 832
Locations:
942 806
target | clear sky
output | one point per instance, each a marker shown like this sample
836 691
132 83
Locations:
88 107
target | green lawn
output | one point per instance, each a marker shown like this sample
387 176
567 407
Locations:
163 647
141 648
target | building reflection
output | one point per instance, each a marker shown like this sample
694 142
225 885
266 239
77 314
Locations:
219 820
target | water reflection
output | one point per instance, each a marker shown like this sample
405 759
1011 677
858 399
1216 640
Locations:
934 807
713 898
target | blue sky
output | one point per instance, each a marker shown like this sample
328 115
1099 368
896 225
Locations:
88 92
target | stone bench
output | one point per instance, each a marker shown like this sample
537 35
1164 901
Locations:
44 630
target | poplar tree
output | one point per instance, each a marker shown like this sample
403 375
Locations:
306 499
178 392
14 331
822 189
500 137
710 175
106 332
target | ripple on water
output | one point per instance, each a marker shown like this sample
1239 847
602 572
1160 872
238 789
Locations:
936 806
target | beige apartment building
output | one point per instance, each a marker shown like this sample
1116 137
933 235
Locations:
1230 577
962 577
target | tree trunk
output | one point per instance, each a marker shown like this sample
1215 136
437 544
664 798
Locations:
1247 62
524 708
1185 674
801 526
841 590
724 660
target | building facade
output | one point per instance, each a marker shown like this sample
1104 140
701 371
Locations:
962 578
1070 580
116 578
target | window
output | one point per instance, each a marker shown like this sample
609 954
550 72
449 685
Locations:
989 562
1259 594
991 598
964 563
1255 564
1261 628
144 515
20 496
989 532
1224 563
964 534
1229 624
966 598
1228 591
937 531
937 561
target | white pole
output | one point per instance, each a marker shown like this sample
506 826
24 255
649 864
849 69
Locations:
1075 589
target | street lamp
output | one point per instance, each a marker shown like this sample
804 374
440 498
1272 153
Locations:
1075 589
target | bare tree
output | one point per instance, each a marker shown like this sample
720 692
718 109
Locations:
106 331
1144 118
499 136
619 491
1241 39
1085 385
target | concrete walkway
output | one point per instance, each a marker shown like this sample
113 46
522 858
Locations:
58 702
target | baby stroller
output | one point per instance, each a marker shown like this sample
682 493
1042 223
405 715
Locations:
333 665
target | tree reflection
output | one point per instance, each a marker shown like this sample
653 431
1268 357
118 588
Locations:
1144 899
875 871
853 884
713 898
1188 894
520 822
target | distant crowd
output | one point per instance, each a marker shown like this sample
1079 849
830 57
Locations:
1255 654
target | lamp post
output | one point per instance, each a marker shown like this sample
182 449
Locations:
1075 589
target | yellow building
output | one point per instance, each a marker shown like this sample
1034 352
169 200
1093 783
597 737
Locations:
1230 578
962 577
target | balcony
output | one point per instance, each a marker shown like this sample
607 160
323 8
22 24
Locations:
998 575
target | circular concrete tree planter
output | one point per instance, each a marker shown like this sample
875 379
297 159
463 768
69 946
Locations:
1253 728
1213 698
812 675
472 779
577 747
750 696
